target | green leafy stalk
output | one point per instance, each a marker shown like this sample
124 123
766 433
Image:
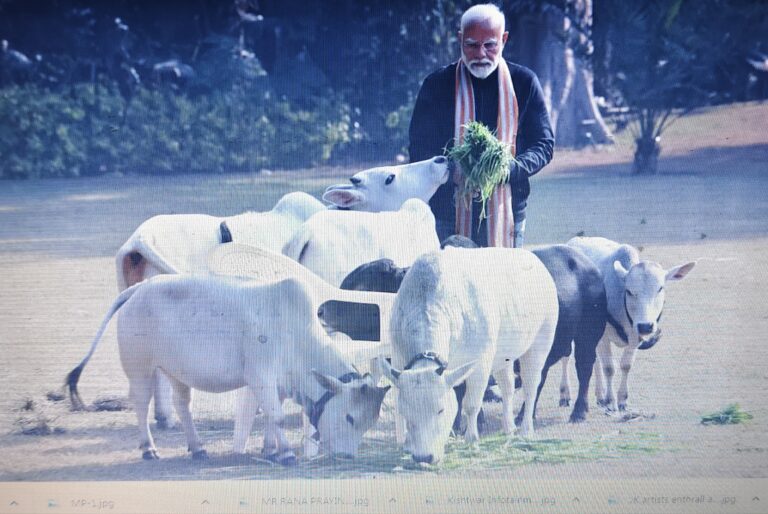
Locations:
731 415
484 162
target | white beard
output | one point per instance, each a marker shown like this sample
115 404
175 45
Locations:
480 72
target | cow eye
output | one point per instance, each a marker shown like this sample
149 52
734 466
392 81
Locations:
350 420
629 293
660 290
440 411
389 179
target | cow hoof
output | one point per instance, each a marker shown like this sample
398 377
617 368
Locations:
200 455
622 407
607 404
150 455
578 418
162 423
286 458
565 403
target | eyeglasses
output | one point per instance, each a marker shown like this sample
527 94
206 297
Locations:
490 45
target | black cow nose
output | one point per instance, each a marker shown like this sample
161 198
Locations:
645 328
426 459
439 159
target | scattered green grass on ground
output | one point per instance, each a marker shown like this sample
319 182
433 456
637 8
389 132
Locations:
495 452
731 415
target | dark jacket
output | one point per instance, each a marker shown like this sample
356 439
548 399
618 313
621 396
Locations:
432 129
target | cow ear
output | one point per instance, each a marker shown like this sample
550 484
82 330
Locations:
331 384
460 374
391 373
621 271
679 272
344 197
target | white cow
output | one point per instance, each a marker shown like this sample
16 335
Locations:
218 334
635 291
332 243
180 243
474 312
388 187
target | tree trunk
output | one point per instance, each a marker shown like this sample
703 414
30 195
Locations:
646 156
539 40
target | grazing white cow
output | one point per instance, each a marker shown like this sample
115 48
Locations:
332 243
388 187
180 243
473 312
635 290
218 334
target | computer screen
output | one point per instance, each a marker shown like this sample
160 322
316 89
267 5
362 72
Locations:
192 197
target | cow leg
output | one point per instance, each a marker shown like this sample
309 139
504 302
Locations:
506 380
163 401
599 382
551 359
311 445
276 446
246 409
473 399
627 358
565 383
141 392
585 356
460 390
182 396
531 367
607 399
400 431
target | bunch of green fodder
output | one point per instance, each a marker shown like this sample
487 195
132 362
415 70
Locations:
484 161
731 415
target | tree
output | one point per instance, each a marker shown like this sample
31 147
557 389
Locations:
664 58
554 39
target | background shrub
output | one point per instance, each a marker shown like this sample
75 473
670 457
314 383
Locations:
87 130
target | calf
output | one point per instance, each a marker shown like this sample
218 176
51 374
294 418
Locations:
635 291
219 334
333 243
388 187
477 310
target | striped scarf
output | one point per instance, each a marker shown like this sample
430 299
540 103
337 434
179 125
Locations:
500 221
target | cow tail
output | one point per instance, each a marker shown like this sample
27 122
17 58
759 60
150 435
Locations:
74 375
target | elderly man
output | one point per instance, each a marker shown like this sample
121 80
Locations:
504 96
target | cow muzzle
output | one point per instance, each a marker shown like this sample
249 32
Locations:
646 343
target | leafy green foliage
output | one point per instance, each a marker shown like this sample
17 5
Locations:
484 161
78 132
731 415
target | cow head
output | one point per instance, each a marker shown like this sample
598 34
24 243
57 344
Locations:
643 296
428 404
352 409
386 188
